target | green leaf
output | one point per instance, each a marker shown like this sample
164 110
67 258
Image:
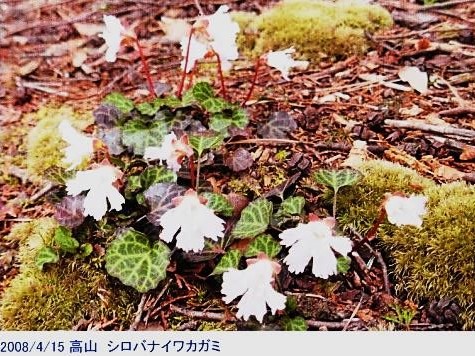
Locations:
133 185
204 94
136 262
218 203
188 99
147 108
254 219
343 264
222 120
291 206
229 260
205 142
294 324
336 179
86 249
137 134
122 103
263 243
46 255
65 240
152 175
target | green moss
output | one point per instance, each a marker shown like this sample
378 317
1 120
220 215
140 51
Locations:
44 144
315 28
62 295
434 262
216 326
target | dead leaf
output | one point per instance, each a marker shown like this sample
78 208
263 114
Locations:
29 67
79 57
414 110
357 156
417 79
468 153
174 29
88 29
239 160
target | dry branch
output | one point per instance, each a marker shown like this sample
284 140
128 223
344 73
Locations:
444 130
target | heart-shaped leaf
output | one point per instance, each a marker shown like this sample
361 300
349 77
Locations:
279 125
152 175
343 264
232 116
218 203
63 237
69 212
106 116
254 219
205 141
229 260
239 160
294 324
336 179
263 243
159 198
136 262
112 138
46 255
122 103
291 206
137 134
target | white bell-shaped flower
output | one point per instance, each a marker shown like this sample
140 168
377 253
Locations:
315 241
193 220
99 182
214 33
255 285
405 210
113 36
79 146
282 61
172 150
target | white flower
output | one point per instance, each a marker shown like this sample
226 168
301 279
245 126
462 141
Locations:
314 240
197 51
172 150
214 33
80 146
99 182
255 285
195 222
417 79
113 36
405 210
223 32
282 61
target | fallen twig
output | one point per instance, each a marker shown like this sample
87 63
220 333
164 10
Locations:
354 312
138 314
444 130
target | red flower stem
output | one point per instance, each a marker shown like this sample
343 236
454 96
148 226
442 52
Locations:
146 69
191 76
254 81
191 167
371 234
183 77
221 76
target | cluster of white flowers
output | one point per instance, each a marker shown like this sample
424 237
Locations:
216 33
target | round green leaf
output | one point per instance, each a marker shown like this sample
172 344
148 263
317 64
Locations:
122 103
218 203
46 255
138 134
336 179
136 262
63 237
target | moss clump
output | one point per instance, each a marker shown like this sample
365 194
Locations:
315 28
62 295
44 144
434 262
